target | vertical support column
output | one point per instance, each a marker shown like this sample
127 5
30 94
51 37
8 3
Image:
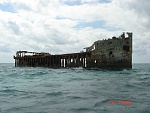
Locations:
69 61
49 60
23 61
43 61
55 62
52 61
77 60
31 61
62 61
59 61
18 61
28 61
83 62
73 62
15 62
65 62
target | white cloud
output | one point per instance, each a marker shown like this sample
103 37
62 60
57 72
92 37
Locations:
89 1
50 25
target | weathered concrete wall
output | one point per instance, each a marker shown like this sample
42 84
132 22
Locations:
115 52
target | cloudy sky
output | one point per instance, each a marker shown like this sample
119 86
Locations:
65 26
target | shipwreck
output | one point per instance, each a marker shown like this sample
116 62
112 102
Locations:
104 54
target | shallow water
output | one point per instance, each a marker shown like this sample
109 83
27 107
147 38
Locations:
77 90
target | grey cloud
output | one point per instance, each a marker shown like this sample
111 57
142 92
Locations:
142 9
141 48
21 6
59 37
59 40
44 3
37 38
5 48
14 27
139 51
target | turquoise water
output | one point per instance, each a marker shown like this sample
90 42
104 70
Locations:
45 90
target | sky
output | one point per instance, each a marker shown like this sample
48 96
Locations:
67 26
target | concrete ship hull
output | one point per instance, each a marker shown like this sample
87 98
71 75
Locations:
103 54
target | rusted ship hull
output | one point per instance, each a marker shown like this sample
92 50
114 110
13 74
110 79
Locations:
103 54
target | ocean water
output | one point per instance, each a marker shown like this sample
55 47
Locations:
76 90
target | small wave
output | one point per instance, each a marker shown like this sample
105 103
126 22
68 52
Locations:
74 97
129 86
82 109
98 104
12 92
132 86
76 79
39 73
77 68
47 85
54 94
144 77
9 91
